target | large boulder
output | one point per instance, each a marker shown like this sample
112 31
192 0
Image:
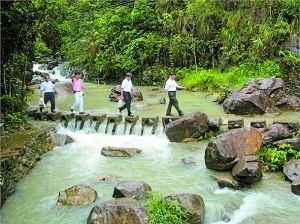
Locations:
119 151
122 210
116 93
224 151
131 189
259 97
274 133
292 169
193 204
192 126
247 170
77 195
226 180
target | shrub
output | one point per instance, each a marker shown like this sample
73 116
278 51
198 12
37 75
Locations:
11 104
13 119
232 79
276 157
12 110
211 134
164 212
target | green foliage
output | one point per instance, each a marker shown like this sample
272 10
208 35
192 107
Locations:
218 43
11 104
109 39
12 109
276 157
40 48
234 78
13 119
211 134
164 212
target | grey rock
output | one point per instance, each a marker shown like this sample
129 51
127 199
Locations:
77 195
224 151
193 204
292 170
116 93
122 210
131 189
259 97
119 151
274 133
192 126
189 160
247 170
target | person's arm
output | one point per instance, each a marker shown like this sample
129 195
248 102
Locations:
166 89
179 87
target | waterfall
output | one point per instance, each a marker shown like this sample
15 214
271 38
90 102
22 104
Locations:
110 126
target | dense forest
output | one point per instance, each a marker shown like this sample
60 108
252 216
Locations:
210 44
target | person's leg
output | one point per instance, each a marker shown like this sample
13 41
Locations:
46 98
175 103
52 101
80 101
169 105
127 98
76 99
122 107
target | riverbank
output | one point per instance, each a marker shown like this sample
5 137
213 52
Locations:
20 152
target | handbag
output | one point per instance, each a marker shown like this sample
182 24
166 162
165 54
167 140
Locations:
121 103
41 102
162 100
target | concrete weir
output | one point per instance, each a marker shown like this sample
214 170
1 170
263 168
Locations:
148 125
258 124
113 119
53 116
235 123
150 121
98 119
40 115
80 119
131 121
65 118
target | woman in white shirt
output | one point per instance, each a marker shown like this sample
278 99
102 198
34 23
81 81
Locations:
126 93
170 88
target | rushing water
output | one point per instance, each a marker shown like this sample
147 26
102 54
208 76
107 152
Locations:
269 201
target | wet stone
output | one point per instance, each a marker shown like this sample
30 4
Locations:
235 123
295 187
258 124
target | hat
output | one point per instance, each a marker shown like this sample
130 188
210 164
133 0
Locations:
128 74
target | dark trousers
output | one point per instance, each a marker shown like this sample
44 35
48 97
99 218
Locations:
127 98
173 102
50 96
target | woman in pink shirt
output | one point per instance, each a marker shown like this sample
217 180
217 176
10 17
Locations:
77 86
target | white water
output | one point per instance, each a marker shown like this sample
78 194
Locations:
55 74
159 164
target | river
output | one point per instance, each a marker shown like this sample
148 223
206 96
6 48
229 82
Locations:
159 165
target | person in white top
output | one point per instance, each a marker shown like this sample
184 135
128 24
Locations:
170 88
126 93
47 91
